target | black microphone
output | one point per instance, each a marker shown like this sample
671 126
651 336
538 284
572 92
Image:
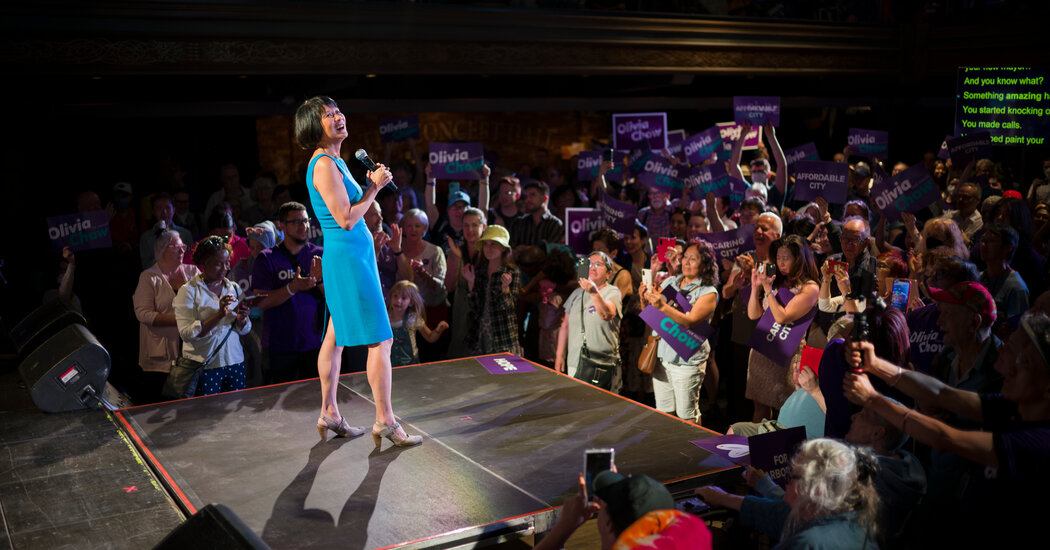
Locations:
362 156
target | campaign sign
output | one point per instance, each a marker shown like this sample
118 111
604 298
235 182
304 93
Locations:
909 191
636 161
964 149
398 129
674 142
777 341
817 178
617 214
505 364
700 147
802 152
683 341
943 153
80 231
730 244
757 109
927 339
580 225
588 164
732 447
677 300
456 160
659 173
737 189
869 143
773 452
710 178
640 131
731 132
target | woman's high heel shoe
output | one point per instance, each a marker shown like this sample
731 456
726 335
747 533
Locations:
341 428
390 432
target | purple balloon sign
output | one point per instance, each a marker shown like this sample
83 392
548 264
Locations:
399 129
816 178
778 341
869 143
81 231
580 225
733 448
802 152
909 191
640 131
730 244
757 109
659 173
617 214
505 364
700 147
456 160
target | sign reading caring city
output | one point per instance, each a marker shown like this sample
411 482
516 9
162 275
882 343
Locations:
80 231
640 131
452 161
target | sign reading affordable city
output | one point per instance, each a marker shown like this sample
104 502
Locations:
617 214
869 143
710 178
700 147
685 342
660 174
580 225
758 110
816 178
399 128
640 131
80 231
909 191
505 364
806 151
730 244
778 341
589 162
452 161
731 132
972 146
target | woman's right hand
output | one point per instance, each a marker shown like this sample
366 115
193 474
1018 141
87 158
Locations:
381 176
468 275
559 364
454 249
224 304
825 271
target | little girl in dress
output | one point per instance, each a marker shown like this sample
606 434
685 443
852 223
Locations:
404 306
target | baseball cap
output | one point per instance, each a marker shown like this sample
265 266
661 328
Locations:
970 294
1011 194
629 498
457 196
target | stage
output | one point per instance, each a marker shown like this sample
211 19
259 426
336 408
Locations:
500 454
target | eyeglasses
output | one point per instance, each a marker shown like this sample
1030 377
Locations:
300 221
959 197
853 241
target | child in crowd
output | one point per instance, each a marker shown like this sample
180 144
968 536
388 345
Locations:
405 308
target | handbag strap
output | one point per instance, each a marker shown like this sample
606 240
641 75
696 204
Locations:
583 329
229 330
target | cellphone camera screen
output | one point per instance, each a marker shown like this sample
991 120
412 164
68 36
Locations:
596 462
583 266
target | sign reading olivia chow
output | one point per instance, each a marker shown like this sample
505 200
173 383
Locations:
700 147
909 191
80 231
683 341
730 244
710 178
778 341
636 161
731 132
758 110
580 225
617 214
589 162
807 151
927 339
869 143
772 451
732 447
817 178
640 131
737 189
456 160
943 152
974 146
505 364
674 142
659 173
399 129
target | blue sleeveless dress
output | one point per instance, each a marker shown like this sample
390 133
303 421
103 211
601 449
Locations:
350 275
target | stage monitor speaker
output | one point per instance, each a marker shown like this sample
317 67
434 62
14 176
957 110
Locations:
63 372
43 323
214 527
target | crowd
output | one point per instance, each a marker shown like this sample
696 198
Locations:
944 310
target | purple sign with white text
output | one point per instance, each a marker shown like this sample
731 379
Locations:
617 214
700 147
710 178
778 341
909 191
730 244
640 131
731 132
737 189
659 173
588 164
869 143
732 447
81 231
505 364
456 160
683 341
943 152
817 178
975 146
774 450
580 225
399 129
757 109
674 142
807 151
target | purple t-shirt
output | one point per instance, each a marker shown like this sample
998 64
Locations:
295 325
927 339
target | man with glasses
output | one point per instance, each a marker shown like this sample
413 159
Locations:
966 199
292 308
854 240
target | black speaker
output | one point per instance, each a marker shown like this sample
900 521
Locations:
60 371
214 527
43 323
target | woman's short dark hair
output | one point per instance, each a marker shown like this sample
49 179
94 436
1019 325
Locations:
609 237
208 247
308 129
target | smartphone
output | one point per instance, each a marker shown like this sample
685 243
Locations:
583 268
901 294
837 266
647 277
596 461
607 155
769 269
666 243
252 299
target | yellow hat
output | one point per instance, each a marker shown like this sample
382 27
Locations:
496 233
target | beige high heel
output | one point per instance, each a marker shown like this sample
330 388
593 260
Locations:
341 428
390 432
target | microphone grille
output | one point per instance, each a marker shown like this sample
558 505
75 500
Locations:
361 154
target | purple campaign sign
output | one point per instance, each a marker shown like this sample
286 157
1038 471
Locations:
676 299
710 178
617 214
802 152
674 142
732 243
590 161
757 109
456 160
81 231
909 191
773 452
683 341
977 145
733 448
943 152
869 143
399 129
778 341
817 178
505 364
640 131
737 189
659 173
636 161
927 339
731 132
580 225
700 147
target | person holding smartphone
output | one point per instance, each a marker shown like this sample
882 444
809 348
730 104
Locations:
592 318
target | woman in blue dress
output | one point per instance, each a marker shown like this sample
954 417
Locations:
349 271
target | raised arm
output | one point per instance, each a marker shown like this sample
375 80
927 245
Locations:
430 196
483 188
778 155
738 151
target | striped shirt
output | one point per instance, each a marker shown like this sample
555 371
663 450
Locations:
524 231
